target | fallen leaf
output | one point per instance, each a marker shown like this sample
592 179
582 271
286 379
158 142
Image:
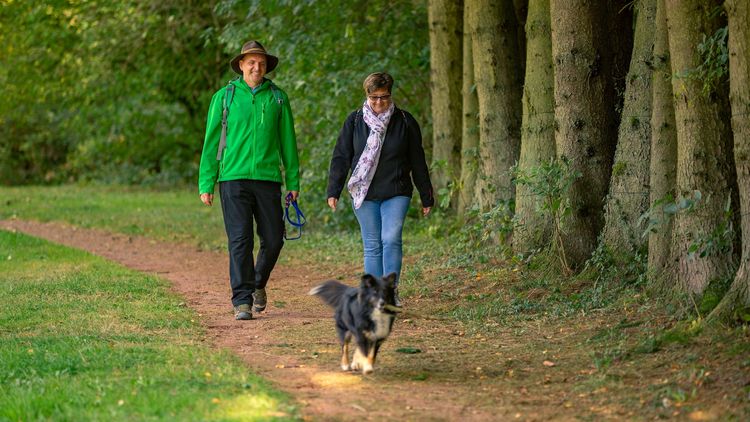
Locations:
700 415
548 363
358 407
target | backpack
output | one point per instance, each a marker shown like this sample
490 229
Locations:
228 97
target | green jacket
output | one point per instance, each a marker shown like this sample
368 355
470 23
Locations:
260 137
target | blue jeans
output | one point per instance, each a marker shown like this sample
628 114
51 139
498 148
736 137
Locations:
381 223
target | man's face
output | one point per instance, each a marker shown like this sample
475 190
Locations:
253 68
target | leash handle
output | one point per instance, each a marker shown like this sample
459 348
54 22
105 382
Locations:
300 217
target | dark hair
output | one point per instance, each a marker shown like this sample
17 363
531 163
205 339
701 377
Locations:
378 80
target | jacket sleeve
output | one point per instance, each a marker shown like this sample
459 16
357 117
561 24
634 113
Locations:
420 172
341 160
289 154
208 172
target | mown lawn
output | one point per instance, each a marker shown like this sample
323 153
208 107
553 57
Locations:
84 339
172 215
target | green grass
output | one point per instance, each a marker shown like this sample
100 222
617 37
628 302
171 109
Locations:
165 215
83 339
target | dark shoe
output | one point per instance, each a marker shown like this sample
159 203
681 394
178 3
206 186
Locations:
260 300
242 312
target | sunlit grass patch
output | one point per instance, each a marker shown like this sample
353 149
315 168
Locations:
167 215
87 340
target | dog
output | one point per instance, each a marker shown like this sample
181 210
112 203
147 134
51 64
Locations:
363 314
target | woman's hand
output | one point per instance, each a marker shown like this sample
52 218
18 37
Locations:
332 203
207 198
426 211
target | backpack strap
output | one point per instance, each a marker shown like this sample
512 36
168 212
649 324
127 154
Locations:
276 93
228 97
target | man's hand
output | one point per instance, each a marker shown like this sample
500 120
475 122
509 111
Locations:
295 194
207 198
426 211
332 203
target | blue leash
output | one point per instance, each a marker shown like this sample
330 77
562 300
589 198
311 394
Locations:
301 220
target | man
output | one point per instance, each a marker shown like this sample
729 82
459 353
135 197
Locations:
259 133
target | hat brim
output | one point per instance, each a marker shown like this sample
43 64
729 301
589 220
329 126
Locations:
271 62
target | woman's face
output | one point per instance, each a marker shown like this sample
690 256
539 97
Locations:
379 100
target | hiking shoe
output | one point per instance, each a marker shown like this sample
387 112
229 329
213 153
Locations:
396 300
260 300
242 312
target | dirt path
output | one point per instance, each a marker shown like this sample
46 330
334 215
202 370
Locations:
293 345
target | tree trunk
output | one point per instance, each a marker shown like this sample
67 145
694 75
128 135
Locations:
521 8
628 189
446 27
498 81
470 126
738 11
620 31
663 146
538 130
584 115
704 146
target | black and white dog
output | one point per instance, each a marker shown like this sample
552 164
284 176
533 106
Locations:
365 314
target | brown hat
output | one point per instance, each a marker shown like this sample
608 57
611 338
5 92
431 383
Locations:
254 47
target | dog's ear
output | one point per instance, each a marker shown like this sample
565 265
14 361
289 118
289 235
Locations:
368 281
390 280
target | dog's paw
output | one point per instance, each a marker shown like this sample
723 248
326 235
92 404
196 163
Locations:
346 367
367 369
355 366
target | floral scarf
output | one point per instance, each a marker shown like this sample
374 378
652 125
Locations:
359 182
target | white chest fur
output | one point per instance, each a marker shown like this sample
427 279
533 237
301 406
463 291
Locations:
382 325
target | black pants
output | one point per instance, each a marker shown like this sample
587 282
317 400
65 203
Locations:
241 202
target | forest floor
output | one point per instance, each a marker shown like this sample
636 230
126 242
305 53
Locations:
435 368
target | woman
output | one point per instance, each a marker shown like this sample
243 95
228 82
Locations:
382 146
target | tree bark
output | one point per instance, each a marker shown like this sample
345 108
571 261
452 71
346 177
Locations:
738 12
538 129
585 115
522 10
470 126
704 147
628 190
620 31
498 81
446 27
663 147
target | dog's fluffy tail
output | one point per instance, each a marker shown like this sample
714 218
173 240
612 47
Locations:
330 292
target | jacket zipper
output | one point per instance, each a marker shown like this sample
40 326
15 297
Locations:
255 137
